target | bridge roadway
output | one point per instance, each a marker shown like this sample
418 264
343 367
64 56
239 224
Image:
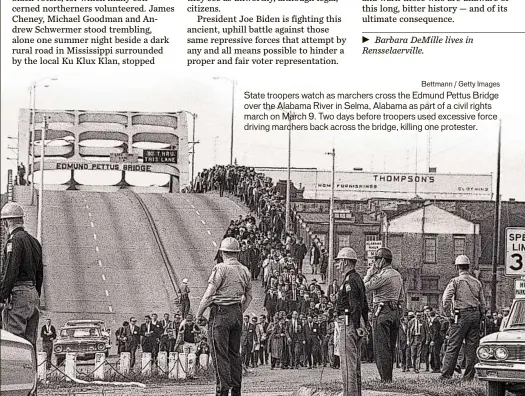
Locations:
102 259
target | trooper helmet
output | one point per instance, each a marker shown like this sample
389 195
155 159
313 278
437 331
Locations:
384 252
230 245
462 260
346 253
12 210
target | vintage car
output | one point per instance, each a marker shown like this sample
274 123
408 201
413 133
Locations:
502 355
83 340
17 366
96 322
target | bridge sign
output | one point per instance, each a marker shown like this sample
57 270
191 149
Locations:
515 256
160 156
123 157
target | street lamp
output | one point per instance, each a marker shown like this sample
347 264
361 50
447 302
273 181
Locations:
32 101
288 182
233 82
193 142
43 145
331 229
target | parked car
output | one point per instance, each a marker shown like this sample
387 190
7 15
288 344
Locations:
96 322
502 355
17 366
84 340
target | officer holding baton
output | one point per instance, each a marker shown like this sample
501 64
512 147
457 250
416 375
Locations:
228 295
352 311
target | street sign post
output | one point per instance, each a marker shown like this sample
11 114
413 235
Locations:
515 255
519 288
160 156
371 247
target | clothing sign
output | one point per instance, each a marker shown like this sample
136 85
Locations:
515 257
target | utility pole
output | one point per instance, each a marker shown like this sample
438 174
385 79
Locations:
331 229
287 226
497 226
41 187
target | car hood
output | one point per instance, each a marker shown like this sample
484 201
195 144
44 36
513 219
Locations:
78 340
517 335
7 336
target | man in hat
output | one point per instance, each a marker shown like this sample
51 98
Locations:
22 276
352 311
464 301
228 295
184 298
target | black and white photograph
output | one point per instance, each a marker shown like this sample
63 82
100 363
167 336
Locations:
262 198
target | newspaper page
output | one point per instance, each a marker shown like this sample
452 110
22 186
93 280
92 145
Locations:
150 146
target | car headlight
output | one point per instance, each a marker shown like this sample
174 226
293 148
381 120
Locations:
501 353
58 348
101 347
485 353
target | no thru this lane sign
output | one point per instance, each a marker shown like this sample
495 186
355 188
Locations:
515 257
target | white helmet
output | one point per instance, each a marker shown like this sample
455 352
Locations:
230 245
12 210
462 260
346 253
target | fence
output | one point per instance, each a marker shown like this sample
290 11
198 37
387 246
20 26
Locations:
174 366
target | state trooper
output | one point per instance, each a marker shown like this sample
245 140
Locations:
352 311
464 301
22 276
388 301
228 295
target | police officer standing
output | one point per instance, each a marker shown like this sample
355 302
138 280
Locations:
228 295
22 276
388 298
352 310
463 299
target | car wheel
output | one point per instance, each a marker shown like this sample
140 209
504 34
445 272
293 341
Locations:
495 388
60 360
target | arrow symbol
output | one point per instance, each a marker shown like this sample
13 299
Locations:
364 39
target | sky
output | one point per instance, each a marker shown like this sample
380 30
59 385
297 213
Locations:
172 86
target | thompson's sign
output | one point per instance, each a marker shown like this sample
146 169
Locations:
363 185
123 157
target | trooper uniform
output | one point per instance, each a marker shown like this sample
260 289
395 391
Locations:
229 293
21 279
464 300
352 310
388 298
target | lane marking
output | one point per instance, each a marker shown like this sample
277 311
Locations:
89 214
103 277
87 206
107 293
209 232
97 249
92 224
99 263
203 222
110 308
95 237
192 206
214 243
198 214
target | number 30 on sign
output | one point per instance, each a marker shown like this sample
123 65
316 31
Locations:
515 257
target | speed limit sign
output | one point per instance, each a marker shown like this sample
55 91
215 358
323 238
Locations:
515 257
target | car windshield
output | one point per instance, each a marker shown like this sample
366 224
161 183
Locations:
85 322
80 332
517 314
